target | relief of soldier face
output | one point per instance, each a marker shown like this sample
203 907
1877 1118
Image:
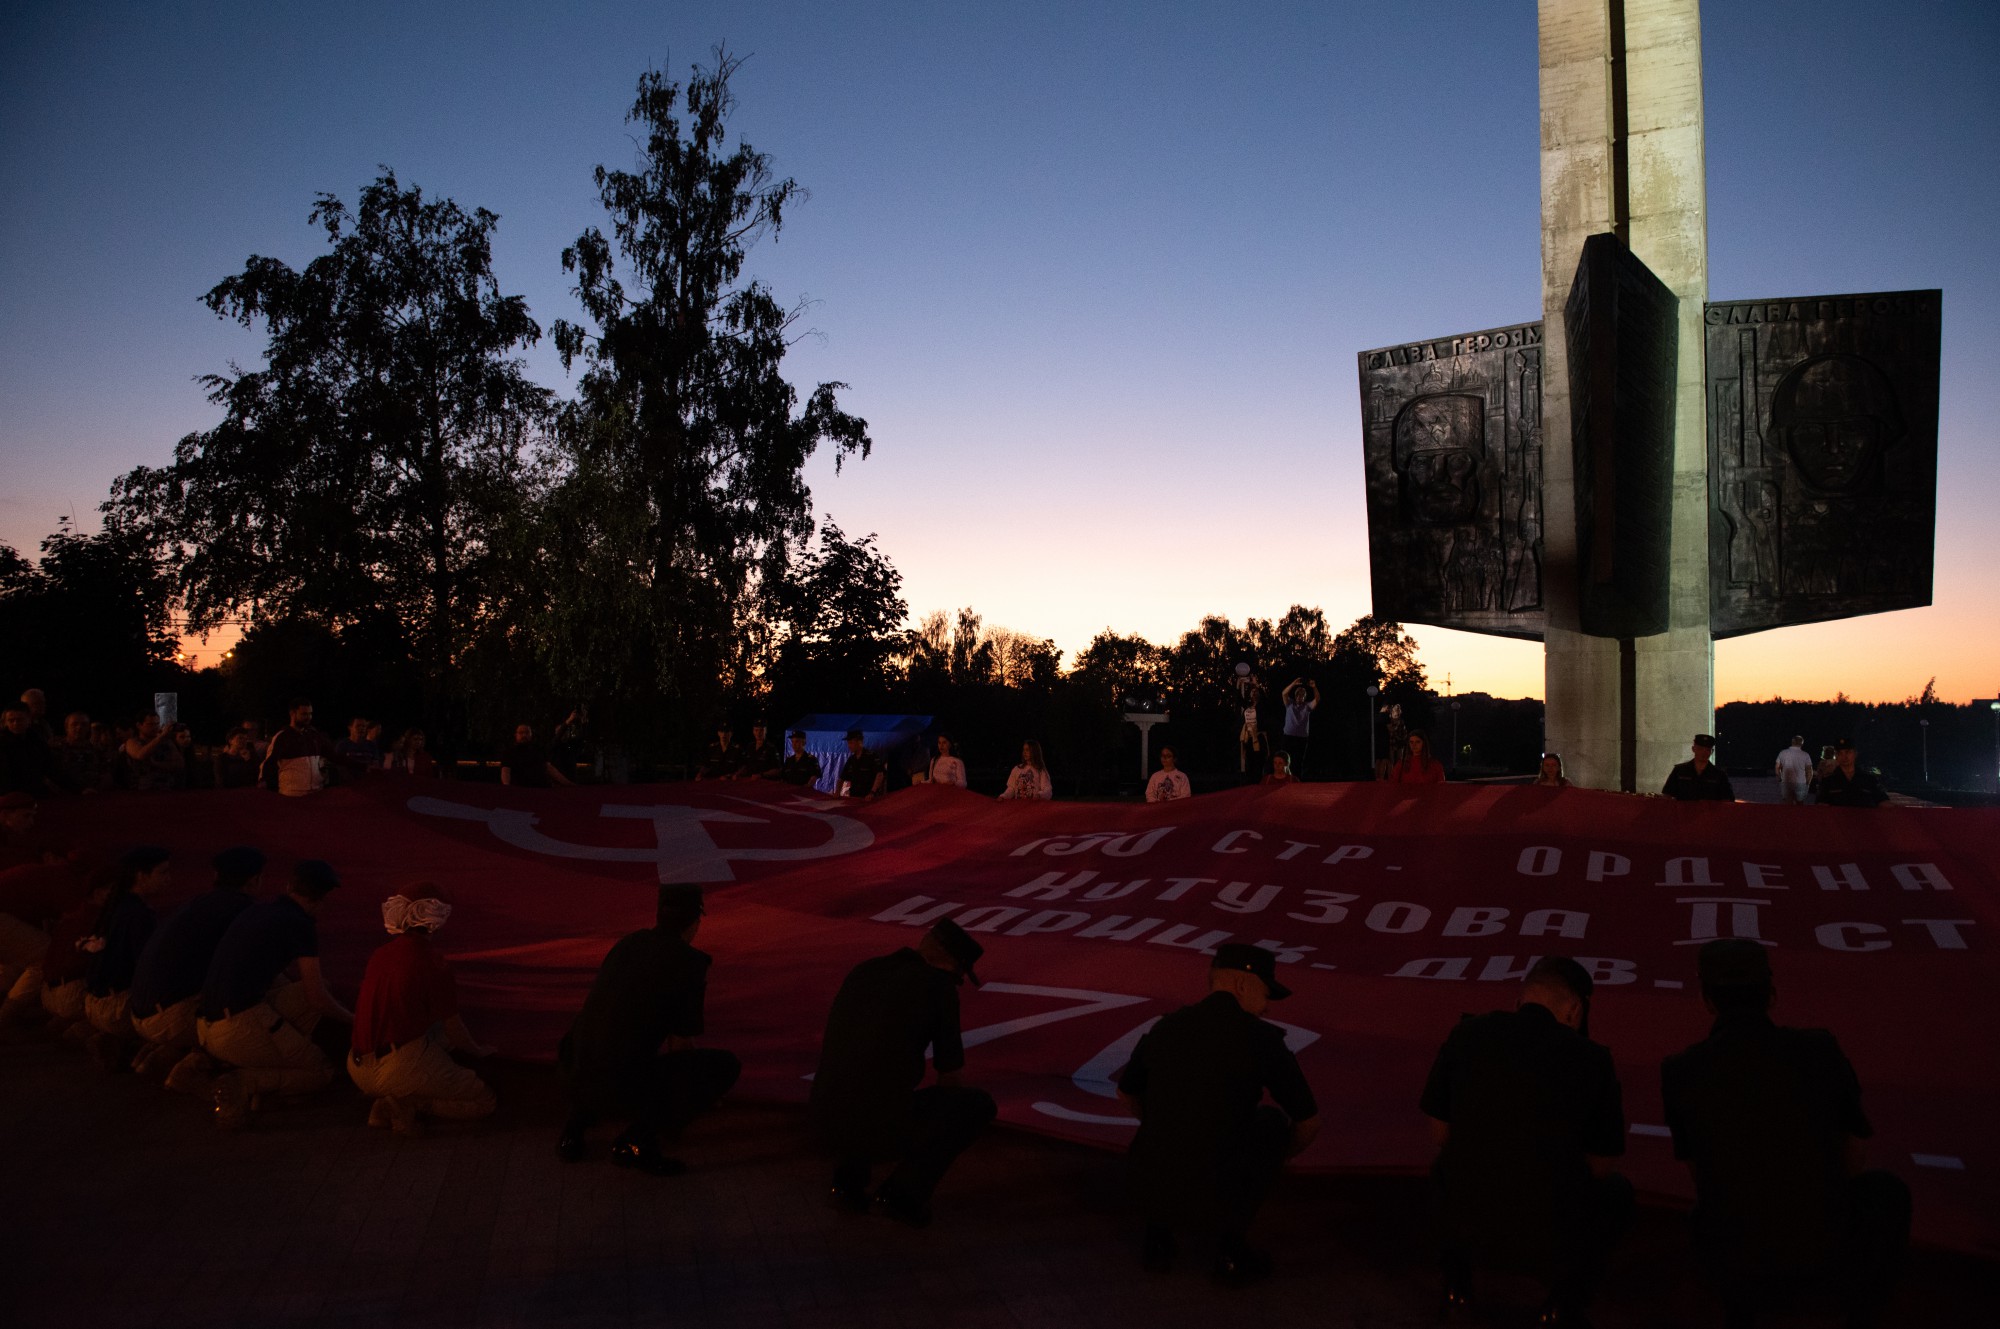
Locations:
1439 444
1835 415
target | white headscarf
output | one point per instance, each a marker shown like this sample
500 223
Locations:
400 913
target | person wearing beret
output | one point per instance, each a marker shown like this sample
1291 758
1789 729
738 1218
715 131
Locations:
1848 785
868 1100
1208 1149
254 1021
1529 1120
166 987
649 994
407 1025
1699 779
1768 1120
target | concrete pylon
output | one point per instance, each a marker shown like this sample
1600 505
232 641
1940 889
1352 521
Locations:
1621 130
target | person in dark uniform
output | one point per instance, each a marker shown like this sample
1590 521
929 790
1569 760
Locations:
1529 1118
800 768
866 1105
723 758
648 992
1848 785
761 757
865 775
166 985
1699 779
1207 1152
1768 1119
123 927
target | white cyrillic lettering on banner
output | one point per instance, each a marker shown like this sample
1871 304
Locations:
1181 934
1233 898
1449 969
1705 922
912 911
1049 920
1848 936
1328 906
1116 890
1227 844
1609 973
1554 922
988 918
1687 872
1850 878
1179 886
1501 969
1763 877
1293 848
1053 885
1398 916
1944 931
1287 952
1131 846
1469 921
1601 866
1346 852
1120 927
1539 861
1919 877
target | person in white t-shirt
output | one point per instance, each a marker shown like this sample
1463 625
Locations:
1795 771
945 768
1169 782
1031 778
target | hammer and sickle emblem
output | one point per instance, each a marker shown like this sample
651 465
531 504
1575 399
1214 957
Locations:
682 848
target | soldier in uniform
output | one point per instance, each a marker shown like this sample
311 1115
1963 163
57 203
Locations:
1769 1121
866 1105
761 757
1207 1152
1699 779
1529 1119
649 992
865 775
1848 785
799 769
723 757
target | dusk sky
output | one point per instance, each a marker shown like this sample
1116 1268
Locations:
1097 273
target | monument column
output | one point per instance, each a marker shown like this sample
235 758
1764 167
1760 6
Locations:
1621 152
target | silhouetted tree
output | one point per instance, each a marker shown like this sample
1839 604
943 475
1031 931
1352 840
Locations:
88 623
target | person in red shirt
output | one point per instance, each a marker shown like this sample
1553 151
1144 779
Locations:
406 1024
1420 767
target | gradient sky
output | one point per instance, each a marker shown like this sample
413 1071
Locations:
1096 273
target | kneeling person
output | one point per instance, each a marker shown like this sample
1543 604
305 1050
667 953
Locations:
124 926
406 1024
866 1105
166 987
257 1026
649 992
1208 1148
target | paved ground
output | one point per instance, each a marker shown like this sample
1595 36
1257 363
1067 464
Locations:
127 1208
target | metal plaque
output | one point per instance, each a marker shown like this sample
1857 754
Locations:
1822 457
1621 325
1451 445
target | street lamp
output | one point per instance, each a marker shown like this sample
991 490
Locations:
1924 733
1454 738
1374 692
1995 708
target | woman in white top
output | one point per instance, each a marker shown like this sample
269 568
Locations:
946 768
1169 782
1031 778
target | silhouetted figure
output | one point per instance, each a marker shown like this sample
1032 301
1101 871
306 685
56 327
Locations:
1848 785
1699 779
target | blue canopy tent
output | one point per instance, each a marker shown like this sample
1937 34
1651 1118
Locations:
826 738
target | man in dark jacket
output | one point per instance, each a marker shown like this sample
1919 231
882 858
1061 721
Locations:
866 1104
1699 779
1529 1118
1207 1152
1848 785
1769 1121
649 993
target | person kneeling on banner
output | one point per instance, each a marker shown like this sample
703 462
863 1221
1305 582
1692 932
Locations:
407 1025
1208 1147
1768 1119
166 987
866 1105
649 992
1529 1119
123 928
253 1021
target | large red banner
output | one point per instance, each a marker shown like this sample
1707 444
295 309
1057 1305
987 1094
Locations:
1393 911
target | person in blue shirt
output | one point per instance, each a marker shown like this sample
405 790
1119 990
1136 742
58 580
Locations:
166 987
